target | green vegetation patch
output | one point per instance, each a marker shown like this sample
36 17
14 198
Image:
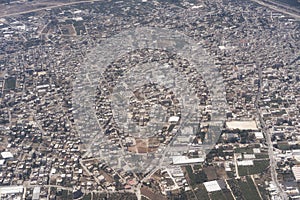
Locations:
247 150
244 189
197 167
230 174
87 197
262 156
201 192
10 83
259 166
283 146
197 177
248 189
64 194
223 194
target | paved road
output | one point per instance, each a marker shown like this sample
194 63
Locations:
47 186
47 7
281 193
280 8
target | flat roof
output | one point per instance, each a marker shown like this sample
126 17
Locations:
36 193
296 172
242 125
177 160
11 189
6 155
212 186
259 135
245 163
174 119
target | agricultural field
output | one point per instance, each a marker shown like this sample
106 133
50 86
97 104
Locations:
260 166
223 194
244 189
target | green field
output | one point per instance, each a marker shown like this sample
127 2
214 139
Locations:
201 192
195 178
244 189
244 150
258 167
248 189
223 194
262 156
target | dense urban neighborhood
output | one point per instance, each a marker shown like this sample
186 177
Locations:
140 99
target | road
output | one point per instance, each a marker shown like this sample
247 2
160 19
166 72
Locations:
252 177
47 7
267 3
236 166
279 7
228 186
88 172
271 5
281 193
